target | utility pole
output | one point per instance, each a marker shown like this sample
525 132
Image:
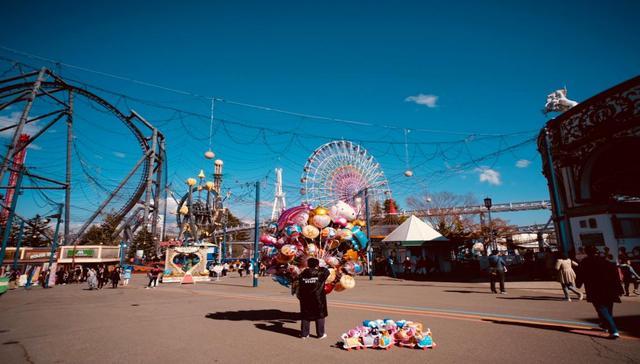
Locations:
369 247
256 266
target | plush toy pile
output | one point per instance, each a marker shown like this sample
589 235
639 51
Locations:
332 235
383 334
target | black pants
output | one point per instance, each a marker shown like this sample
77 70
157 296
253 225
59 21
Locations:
306 325
153 281
499 274
100 283
627 283
114 284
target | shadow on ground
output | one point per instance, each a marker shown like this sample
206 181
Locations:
569 330
533 298
466 291
627 324
273 320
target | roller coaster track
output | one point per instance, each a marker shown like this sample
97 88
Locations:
22 89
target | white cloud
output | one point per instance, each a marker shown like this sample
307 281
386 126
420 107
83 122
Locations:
34 146
489 175
12 119
119 154
523 163
428 100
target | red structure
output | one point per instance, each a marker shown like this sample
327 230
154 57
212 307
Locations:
18 162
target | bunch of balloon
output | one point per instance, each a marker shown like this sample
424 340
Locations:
332 234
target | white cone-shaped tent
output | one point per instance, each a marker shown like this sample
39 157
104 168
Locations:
414 232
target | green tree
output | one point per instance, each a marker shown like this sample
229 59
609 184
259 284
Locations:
232 220
104 233
143 241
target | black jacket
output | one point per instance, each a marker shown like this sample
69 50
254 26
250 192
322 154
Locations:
601 280
313 299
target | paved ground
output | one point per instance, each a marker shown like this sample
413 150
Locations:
230 322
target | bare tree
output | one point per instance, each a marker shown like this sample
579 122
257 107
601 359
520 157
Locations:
439 206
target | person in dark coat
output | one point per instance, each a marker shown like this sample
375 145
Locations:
602 283
313 299
115 277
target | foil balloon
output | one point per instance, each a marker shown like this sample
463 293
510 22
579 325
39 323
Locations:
332 275
320 211
345 234
338 287
310 232
333 244
332 261
269 251
360 237
328 233
311 249
282 280
357 268
289 250
341 221
342 209
321 221
349 267
328 288
288 216
351 255
268 239
293 230
347 282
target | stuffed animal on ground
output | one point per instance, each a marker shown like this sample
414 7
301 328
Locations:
351 340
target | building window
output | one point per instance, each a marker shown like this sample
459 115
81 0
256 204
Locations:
594 239
629 228
583 224
593 224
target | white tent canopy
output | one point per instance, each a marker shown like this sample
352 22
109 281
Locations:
415 231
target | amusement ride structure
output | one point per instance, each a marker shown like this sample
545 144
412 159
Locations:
45 99
341 171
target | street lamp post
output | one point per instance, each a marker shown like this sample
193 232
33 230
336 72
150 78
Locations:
488 204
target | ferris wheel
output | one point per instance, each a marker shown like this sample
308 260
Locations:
341 171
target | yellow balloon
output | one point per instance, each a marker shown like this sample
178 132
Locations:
347 282
332 275
310 232
320 211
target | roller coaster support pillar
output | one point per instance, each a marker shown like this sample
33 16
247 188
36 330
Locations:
256 264
67 192
156 198
54 244
21 123
16 255
12 213
149 181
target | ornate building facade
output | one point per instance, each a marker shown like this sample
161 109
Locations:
591 159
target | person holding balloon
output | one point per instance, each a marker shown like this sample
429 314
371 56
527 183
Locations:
313 299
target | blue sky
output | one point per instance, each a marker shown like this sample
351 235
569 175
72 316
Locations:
489 64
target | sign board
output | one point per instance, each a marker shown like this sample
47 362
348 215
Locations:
81 253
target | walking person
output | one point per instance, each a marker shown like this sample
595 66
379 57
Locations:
629 276
100 276
126 276
602 283
92 279
567 276
497 270
313 299
153 277
407 266
115 277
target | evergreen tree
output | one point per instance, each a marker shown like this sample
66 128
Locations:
232 220
103 233
143 241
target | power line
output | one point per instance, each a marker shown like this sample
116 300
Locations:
239 103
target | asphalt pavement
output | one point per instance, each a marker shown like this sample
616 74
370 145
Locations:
231 322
